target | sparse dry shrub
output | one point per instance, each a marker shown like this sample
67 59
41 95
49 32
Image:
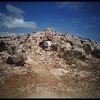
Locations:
96 53
87 48
71 55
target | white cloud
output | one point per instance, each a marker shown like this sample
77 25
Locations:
71 5
10 33
96 18
14 9
88 26
16 12
9 21
80 22
7 33
76 21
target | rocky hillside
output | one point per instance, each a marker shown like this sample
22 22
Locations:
71 69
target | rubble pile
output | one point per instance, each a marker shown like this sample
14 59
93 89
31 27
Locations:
70 60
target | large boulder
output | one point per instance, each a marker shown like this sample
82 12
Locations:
65 46
79 49
68 46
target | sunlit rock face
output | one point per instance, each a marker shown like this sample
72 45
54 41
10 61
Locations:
68 68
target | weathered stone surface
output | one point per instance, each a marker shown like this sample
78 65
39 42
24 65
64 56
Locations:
72 62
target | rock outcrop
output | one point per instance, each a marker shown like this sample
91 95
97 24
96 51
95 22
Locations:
71 68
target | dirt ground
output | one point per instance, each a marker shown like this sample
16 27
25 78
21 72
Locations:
50 79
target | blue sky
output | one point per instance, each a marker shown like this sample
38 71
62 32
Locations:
81 19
